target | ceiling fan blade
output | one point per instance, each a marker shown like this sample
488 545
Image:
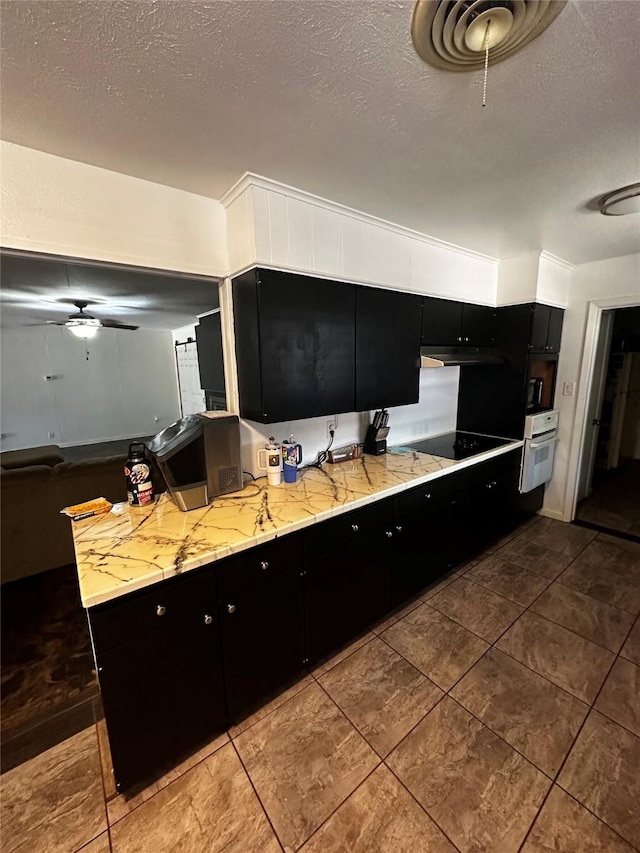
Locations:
113 324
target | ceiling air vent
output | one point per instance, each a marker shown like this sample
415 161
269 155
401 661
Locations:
455 34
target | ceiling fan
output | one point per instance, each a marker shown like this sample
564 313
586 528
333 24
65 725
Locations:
84 325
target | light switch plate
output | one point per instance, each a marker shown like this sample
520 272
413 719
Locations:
569 389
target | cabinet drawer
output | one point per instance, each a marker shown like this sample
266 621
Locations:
259 563
346 528
485 471
423 497
136 614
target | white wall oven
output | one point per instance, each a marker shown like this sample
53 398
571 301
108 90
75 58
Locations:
540 437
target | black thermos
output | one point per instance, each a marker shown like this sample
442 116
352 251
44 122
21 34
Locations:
137 470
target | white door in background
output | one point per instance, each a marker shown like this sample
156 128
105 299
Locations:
594 407
192 399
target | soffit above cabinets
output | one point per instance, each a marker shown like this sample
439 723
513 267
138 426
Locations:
330 96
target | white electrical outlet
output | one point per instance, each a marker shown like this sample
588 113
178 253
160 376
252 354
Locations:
52 435
332 426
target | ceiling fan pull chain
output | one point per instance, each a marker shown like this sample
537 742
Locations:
486 65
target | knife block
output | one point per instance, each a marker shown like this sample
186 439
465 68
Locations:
375 442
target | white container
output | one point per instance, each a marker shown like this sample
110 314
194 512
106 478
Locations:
270 460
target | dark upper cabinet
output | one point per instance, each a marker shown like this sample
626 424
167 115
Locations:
295 345
546 328
209 346
387 348
449 323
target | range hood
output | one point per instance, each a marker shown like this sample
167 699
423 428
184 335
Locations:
457 357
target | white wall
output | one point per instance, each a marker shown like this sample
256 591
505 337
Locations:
274 225
59 206
433 414
126 388
611 283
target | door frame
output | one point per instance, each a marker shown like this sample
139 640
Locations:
587 372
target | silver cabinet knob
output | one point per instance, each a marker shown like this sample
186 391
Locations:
428 495
355 528
398 528
160 610
388 534
264 565
231 608
208 619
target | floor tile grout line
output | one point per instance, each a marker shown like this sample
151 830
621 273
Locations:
416 800
593 814
339 806
571 748
149 782
268 714
255 791
426 713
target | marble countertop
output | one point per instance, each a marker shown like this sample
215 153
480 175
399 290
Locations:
130 548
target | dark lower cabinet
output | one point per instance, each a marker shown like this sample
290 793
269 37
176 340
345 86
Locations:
484 509
179 660
421 553
262 639
345 590
163 694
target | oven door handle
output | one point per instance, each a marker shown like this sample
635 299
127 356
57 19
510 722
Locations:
535 445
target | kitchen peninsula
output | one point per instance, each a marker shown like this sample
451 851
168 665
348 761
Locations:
198 617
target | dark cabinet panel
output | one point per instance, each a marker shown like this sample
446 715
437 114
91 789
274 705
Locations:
441 322
162 694
262 639
449 323
295 340
478 325
546 328
556 317
484 508
322 538
210 360
387 348
422 544
539 328
345 591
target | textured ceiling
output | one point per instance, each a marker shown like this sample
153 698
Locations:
331 97
35 291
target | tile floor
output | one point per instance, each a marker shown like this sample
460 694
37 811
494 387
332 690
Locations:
615 501
499 711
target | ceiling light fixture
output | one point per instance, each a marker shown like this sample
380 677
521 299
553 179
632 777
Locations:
455 34
84 329
622 201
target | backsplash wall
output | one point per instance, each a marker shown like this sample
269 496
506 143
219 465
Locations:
434 413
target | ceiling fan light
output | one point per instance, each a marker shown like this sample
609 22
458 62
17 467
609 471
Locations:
83 331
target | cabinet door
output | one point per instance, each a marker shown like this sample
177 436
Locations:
262 639
422 545
162 694
478 325
483 512
307 346
387 348
209 345
345 591
441 322
556 316
539 328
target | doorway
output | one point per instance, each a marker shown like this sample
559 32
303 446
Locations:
608 495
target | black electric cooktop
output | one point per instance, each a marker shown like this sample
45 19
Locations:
457 445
